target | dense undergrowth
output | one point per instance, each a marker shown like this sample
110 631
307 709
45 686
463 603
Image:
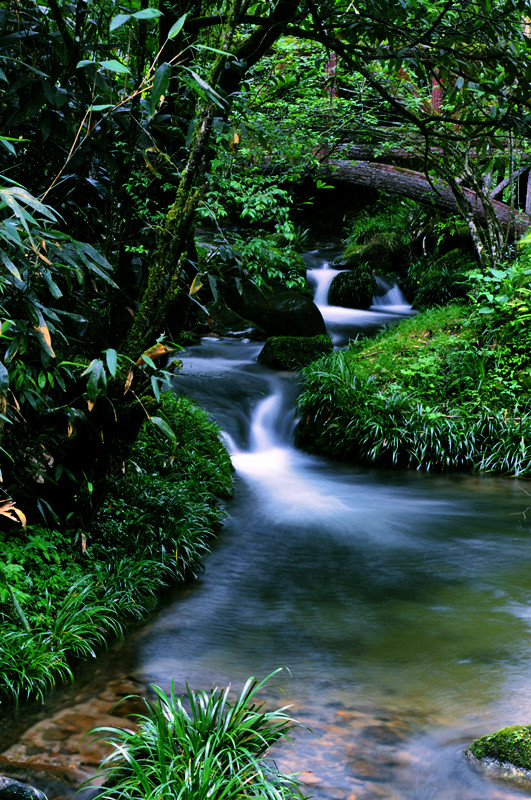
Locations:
448 389
65 593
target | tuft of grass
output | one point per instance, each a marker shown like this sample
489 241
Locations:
199 748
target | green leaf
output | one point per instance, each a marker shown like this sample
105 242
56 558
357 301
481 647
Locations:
161 81
111 357
155 387
147 13
212 95
118 20
177 27
163 426
101 107
4 379
84 63
114 66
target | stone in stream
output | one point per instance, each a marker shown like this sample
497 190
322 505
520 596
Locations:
11 789
506 753
293 352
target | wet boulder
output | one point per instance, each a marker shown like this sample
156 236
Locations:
353 289
293 352
11 789
279 311
223 321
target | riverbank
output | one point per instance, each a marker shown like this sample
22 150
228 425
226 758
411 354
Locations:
65 593
449 389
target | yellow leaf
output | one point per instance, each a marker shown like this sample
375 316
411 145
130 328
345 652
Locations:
22 517
70 429
196 284
90 404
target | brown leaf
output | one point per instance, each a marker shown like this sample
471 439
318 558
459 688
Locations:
44 336
83 542
157 351
9 510
129 380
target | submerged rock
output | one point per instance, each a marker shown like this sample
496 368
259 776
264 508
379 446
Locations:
507 752
292 352
11 789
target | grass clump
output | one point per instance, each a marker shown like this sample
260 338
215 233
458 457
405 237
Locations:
204 747
64 593
444 390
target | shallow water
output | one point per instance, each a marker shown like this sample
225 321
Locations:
398 601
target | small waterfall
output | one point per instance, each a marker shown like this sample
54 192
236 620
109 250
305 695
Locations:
321 280
390 297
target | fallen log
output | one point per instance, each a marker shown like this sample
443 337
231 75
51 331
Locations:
408 183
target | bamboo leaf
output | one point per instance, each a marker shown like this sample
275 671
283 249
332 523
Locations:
163 426
111 357
161 81
147 13
116 22
115 66
177 27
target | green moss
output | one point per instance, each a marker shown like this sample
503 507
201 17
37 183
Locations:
512 745
353 289
292 352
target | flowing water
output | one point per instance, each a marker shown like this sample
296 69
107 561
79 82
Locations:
399 602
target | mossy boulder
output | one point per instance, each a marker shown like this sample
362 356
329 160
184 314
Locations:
353 289
510 745
293 352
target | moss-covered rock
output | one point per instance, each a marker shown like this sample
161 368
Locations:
375 254
510 745
292 352
353 289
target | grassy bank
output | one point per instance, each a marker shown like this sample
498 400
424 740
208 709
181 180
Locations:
65 593
448 389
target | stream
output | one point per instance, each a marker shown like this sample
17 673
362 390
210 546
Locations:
399 602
